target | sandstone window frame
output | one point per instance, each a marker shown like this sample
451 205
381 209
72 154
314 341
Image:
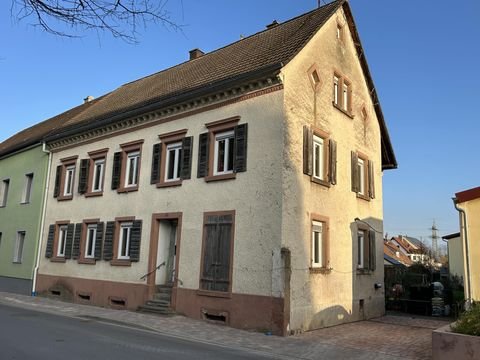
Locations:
314 77
365 250
82 240
113 237
55 249
342 94
319 224
318 144
65 179
122 167
363 176
95 180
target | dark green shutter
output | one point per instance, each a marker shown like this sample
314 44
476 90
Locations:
202 167
117 169
355 173
240 148
135 240
156 158
371 180
332 162
372 250
99 241
50 240
76 241
186 158
307 150
83 177
108 243
58 175
69 241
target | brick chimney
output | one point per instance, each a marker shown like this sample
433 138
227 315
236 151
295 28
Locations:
196 53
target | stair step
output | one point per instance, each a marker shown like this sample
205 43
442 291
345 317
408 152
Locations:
161 303
162 296
164 289
156 310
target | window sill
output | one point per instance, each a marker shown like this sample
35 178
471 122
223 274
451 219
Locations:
120 262
65 198
363 197
218 294
364 272
320 270
58 259
25 203
93 194
350 115
87 261
220 177
169 184
16 262
128 189
320 182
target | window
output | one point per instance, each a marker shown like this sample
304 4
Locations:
172 159
98 172
363 176
319 156
124 240
92 173
126 167
223 150
216 268
342 94
4 192
18 251
62 240
366 259
319 254
27 190
314 76
65 179
340 32
91 239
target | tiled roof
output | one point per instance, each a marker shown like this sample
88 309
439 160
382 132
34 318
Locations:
391 250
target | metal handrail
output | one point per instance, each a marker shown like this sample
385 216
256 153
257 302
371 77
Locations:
158 267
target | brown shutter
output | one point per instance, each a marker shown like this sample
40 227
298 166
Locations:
186 158
58 175
135 240
332 162
307 150
50 241
108 243
156 158
69 241
83 176
366 250
240 148
209 251
99 241
202 167
371 180
117 169
372 250
326 246
76 241
355 173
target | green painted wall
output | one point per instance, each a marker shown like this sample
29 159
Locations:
16 216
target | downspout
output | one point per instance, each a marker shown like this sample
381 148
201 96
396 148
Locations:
465 234
42 221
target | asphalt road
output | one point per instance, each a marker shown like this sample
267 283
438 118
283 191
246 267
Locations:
26 334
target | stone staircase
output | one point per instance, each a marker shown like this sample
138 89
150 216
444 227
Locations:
161 302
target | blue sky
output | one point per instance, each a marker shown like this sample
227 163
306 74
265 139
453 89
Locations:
423 55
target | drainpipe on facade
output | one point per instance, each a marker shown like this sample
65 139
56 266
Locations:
463 225
42 221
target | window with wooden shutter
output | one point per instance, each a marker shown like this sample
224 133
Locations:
203 149
108 242
186 158
320 249
83 176
99 241
117 169
76 241
319 156
126 167
363 176
56 191
217 249
50 241
366 250
69 241
156 156
240 148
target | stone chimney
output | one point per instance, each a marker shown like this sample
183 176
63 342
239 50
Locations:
196 53
88 99
272 25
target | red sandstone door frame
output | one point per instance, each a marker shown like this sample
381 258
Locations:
152 258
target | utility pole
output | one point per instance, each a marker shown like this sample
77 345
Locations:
434 237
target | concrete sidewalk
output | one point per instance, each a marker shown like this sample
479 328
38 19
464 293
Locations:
389 337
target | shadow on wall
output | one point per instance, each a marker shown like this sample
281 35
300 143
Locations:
60 291
330 316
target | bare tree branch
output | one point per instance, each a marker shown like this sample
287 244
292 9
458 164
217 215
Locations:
121 18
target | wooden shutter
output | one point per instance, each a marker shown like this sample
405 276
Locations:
372 250
186 158
216 255
202 167
332 162
50 241
307 150
355 173
108 243
240 148
69 241
117 169
76 241
371 180
99 241
83 177
156 158
366 250
135 240
58 175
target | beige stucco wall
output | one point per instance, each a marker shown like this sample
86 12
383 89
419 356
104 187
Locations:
455 257
326 299
255 195
472 209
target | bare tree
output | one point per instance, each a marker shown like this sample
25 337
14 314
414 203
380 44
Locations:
121 18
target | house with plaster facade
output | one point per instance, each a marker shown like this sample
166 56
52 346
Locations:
242 186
